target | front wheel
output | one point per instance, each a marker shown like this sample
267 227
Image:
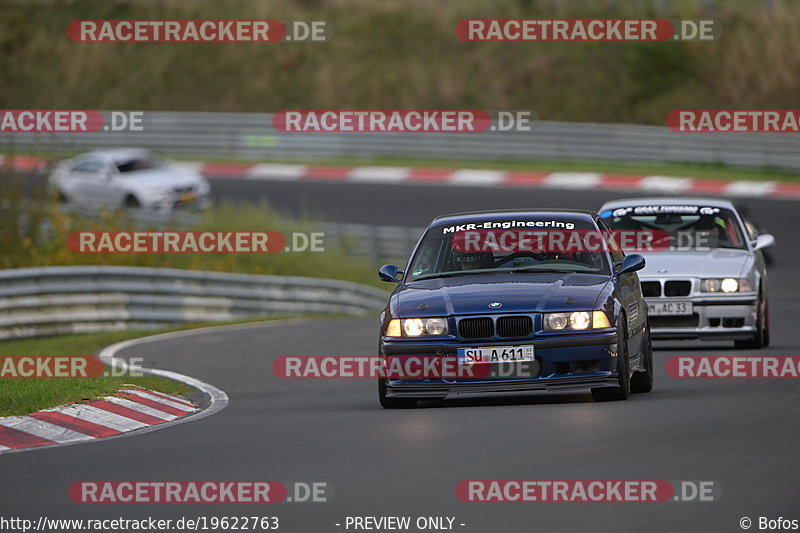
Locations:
393 403
761 337
131 202
643 381
623 390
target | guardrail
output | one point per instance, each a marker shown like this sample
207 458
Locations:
251 136
380 244
74 299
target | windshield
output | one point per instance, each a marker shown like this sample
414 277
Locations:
143 163
686 227
444 253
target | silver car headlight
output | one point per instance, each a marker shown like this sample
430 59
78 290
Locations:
156 194
725 285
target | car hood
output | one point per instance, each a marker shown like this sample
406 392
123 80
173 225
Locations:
518 293
720 262
161 178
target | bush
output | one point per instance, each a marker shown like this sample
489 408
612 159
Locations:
404 54
34 230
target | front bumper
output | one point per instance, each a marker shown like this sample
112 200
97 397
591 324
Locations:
441 390
199 203
563 362
174 202
730 317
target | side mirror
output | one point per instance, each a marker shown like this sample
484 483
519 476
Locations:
631 263
390 273
764 241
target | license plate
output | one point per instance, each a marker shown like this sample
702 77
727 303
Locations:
669 308
187 197
495 354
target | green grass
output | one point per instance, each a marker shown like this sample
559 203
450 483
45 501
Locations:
26 395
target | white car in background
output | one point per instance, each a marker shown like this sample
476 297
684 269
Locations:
128 178
707 278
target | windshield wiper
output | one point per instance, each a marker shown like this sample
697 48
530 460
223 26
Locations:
495 271
543 270
455 273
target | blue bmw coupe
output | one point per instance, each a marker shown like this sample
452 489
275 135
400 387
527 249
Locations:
510 301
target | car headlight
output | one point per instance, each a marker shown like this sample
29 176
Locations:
156 195
725 285
436 326
576 320
416 327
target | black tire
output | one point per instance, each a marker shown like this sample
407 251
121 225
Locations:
610 394
761 337
643 381
131 202
393 403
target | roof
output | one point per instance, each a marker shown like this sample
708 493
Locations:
668 200
121 154
476 216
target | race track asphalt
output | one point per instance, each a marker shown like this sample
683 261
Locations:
742 434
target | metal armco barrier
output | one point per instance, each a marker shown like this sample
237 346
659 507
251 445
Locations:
72 299
251 136
380 244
